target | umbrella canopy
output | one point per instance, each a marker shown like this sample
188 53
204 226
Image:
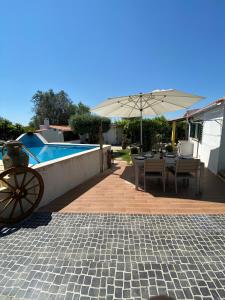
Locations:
156 102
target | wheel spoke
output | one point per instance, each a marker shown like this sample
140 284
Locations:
7 198
29 181
28 200
4 208
21 206
20 193
14 207
5 192
6 182
32 194
32 187
24 177
15 179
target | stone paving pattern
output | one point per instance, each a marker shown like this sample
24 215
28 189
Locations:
113 256
114 191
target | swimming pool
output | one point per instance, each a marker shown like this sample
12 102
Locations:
63 166
49 152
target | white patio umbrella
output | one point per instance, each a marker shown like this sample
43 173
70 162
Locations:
156 102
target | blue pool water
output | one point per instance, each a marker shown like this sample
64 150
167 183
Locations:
49 152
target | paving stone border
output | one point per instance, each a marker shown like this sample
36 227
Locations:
113 256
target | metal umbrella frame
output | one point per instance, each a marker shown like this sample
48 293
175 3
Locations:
154 103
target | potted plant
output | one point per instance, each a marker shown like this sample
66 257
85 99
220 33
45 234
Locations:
169 148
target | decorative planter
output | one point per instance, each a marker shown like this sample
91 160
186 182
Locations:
13 156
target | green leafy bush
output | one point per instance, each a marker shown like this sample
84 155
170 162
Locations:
10 131
155 131
89 124
134 150
169 148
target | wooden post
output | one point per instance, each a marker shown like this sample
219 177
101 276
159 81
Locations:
173 136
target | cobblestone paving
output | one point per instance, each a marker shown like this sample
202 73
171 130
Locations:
100 256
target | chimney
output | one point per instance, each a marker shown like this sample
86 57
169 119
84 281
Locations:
46 123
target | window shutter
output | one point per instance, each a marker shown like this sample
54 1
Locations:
199 134
192 130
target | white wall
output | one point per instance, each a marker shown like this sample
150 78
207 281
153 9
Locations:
113 136
208 149
221 163
52 135
66 173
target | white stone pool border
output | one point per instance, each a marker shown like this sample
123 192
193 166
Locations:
65 173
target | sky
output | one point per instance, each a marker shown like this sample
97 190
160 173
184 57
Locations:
95 49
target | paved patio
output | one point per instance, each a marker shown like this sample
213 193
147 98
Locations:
114 192
113 242
113 256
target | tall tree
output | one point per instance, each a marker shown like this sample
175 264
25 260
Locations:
57 107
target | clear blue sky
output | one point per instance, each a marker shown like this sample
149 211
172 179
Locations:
95 49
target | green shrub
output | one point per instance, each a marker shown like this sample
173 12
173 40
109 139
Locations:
89 124
134 150
169 148
155 131
10 131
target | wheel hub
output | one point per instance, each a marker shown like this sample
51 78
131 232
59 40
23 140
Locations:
19 193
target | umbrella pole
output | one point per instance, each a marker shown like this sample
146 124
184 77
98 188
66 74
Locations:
141 132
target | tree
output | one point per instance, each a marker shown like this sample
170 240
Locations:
35 122
181 130
57 107
89 124
10 131
79 109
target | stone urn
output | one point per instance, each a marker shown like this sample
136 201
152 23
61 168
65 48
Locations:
13 155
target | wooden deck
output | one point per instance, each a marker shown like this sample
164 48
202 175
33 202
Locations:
114 192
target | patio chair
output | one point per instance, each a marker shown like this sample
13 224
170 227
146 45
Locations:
186 169
155 168
185 149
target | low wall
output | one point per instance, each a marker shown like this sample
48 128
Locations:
53 135
66 173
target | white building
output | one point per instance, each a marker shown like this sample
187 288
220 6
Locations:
63 133
57 133
113 136
207 132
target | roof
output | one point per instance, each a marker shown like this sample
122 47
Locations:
192 112
61 127
185 116
40 130
207 107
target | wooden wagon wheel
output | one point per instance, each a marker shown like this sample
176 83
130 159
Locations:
21 190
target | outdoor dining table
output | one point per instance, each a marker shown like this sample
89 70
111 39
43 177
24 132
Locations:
170 162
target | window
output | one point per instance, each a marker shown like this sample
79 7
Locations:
196 131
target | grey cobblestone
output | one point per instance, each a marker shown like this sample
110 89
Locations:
105 256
